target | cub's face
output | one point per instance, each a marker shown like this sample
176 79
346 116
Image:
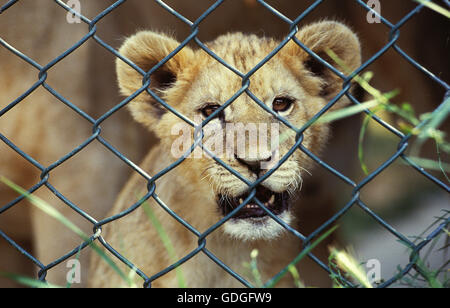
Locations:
248 135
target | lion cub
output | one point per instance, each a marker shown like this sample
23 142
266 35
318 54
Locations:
292 85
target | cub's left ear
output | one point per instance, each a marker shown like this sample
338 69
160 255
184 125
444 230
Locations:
321 37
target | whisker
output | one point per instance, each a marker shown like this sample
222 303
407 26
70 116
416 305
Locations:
306 170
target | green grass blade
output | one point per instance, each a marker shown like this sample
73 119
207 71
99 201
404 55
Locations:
435 7
346 112
52 212
362 134
43 206
437 118
272 282
166 242
429 276
29 282
431 164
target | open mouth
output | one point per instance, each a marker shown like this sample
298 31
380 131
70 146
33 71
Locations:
277 203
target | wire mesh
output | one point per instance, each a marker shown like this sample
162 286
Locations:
96 136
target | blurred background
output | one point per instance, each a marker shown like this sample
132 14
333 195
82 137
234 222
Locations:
44 128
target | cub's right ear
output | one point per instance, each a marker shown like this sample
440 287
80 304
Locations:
146 49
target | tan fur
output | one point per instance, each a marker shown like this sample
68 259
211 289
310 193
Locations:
39 29
191 188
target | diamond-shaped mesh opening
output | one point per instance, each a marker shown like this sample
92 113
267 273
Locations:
351 200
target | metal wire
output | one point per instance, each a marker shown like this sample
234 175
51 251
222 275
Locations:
354 201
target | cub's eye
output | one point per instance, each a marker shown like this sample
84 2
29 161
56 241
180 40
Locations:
209 109
282 104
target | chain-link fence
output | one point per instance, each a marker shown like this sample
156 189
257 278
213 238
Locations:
96 136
